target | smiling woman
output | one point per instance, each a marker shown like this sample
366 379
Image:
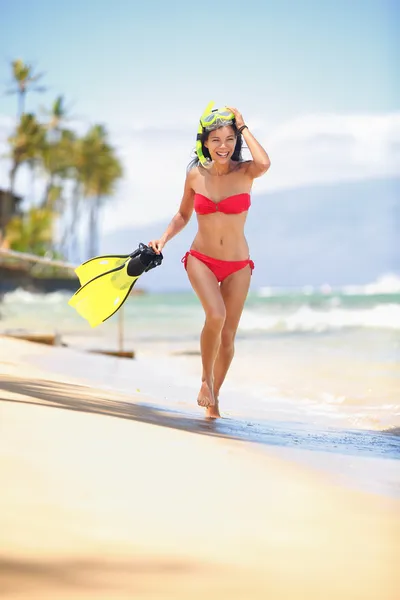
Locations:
224 138
218 185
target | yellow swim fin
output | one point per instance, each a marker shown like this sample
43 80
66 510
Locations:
101 296
98 265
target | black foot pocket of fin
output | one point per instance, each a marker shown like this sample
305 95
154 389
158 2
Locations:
143 259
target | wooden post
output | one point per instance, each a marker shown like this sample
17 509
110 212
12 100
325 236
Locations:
121 330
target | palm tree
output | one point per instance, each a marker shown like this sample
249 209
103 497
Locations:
24 80
57 159
57 117
102 185
58 113
26 144
98 170
28 139
32 232
80 172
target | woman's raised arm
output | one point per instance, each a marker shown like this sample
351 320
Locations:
261 162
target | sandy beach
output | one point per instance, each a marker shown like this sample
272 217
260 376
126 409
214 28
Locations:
105 495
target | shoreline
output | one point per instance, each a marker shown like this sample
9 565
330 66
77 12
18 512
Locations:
109 495
361 459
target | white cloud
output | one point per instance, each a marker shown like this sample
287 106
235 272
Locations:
311 149
332 148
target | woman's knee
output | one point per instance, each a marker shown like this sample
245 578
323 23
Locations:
228 337
215 317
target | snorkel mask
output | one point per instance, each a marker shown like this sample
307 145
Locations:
209 120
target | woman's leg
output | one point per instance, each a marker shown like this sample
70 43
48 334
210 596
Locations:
234 291
206 287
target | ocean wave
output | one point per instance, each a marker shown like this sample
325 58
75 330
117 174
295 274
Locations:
20 296
306 318
386 284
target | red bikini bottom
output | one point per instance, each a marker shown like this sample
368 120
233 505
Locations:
220 268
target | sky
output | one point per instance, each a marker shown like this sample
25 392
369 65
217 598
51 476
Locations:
316 82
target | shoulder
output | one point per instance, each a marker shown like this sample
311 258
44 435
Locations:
252 170
194 175
242 167
191 180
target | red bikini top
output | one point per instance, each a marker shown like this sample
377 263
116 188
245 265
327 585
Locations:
233 205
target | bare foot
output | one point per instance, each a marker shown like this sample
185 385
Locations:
212 412
205 397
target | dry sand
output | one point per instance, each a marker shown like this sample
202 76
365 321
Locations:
102 498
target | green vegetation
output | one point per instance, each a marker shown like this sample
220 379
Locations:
80 174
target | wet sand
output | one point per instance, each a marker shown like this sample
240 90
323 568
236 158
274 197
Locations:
106 496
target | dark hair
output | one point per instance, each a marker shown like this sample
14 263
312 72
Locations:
237 153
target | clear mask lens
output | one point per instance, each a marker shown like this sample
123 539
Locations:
216 117
226 114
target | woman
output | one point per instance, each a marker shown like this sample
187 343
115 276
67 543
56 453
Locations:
217 187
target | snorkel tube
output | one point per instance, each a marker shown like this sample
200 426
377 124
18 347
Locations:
199 150
211 119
